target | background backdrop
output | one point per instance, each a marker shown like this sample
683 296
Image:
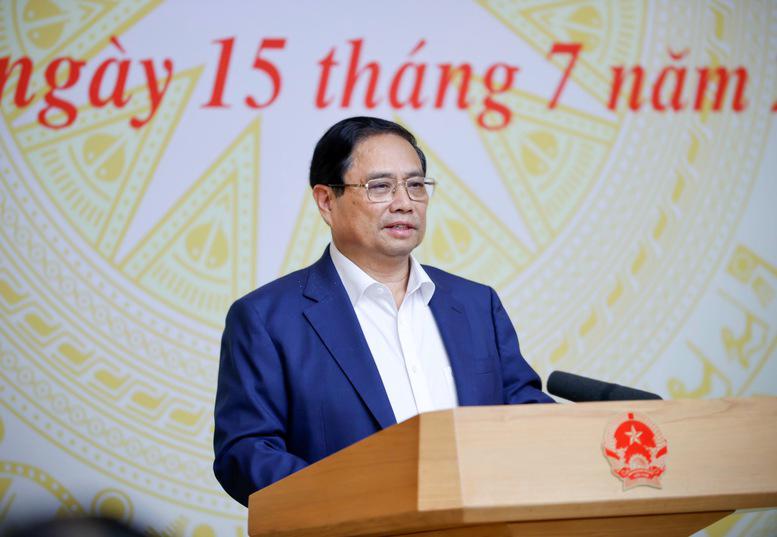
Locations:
630 240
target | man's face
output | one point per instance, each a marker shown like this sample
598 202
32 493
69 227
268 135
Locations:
376 234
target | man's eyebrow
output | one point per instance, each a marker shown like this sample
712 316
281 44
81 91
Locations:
390 175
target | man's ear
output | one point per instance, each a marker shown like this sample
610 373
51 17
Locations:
324 197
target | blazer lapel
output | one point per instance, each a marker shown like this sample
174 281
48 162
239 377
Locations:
456 335
334 320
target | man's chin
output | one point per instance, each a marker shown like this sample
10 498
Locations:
394 245
397 248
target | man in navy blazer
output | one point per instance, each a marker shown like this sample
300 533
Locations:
300 375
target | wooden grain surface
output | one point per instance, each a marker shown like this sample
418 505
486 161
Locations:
534 463
480 466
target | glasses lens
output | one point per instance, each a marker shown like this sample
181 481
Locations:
416 189
380 190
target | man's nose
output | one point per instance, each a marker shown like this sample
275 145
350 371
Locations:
401 200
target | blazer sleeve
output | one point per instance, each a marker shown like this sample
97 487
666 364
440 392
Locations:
251 409
520 383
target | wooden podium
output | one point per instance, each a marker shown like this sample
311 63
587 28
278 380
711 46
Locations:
531 470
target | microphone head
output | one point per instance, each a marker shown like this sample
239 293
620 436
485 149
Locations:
579 389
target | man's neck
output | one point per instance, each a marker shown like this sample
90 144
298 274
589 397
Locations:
395 280
394 273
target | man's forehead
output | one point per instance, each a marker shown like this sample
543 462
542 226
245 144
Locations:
384 147
386 174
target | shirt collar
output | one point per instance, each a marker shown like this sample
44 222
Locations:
356 281
420 280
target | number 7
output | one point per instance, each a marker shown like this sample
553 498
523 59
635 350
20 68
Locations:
564 48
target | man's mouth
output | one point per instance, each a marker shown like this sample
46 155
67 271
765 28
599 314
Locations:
400 230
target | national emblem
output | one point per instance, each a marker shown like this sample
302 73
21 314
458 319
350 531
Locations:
636 450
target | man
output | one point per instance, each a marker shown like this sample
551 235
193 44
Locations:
365 337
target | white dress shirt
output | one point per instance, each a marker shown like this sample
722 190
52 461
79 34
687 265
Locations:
405 342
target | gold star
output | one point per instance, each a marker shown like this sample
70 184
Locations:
634 435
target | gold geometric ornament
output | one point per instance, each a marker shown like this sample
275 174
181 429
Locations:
202 254
43 30
97 170
464 236
549 160
309 238
612 33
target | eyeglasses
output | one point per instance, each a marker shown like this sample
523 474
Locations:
383 190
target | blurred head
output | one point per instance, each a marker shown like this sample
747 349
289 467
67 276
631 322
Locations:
74 527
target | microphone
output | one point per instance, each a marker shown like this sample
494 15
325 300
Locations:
582 389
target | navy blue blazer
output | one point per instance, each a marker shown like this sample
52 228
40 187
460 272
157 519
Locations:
297 381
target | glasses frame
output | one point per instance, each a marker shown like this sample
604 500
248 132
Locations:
403 182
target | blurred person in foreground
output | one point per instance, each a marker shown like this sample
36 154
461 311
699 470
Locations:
86 526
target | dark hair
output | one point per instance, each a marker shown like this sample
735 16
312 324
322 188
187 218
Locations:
333 154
